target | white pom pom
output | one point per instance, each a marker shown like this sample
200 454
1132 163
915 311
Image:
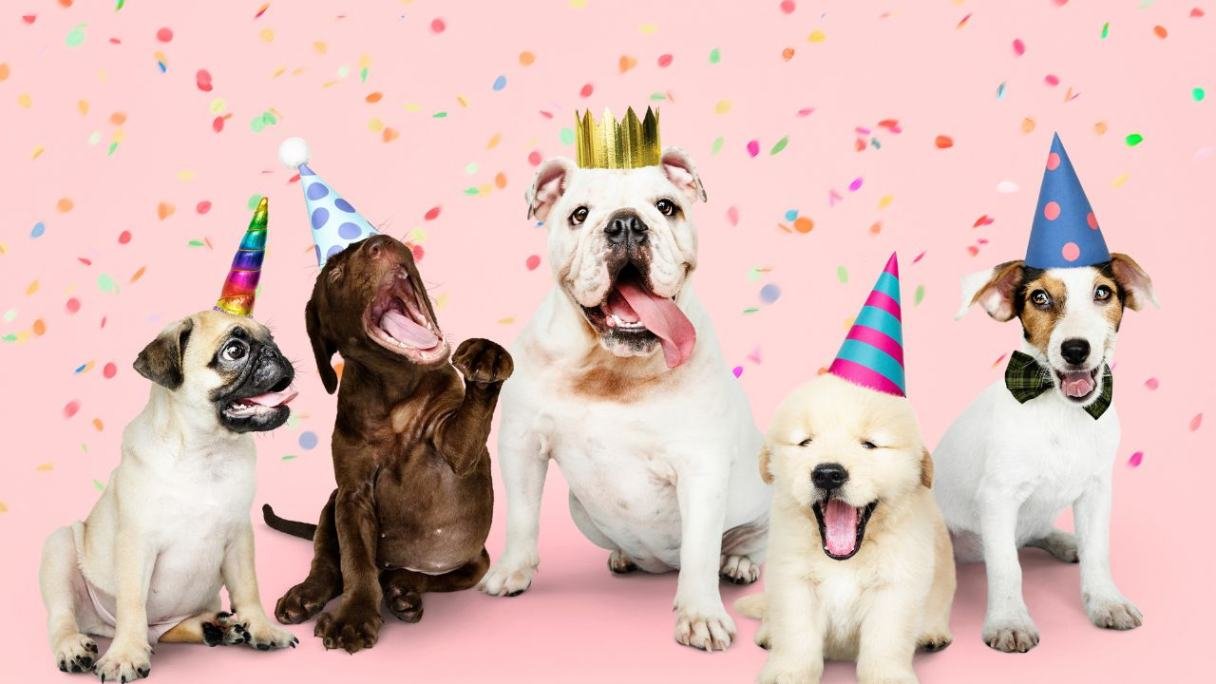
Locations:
293 152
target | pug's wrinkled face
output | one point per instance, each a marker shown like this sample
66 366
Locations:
227 367
622 247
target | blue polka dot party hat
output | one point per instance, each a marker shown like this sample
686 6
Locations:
1065 232
335 223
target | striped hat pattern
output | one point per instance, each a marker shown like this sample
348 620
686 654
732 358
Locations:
873 353
242 283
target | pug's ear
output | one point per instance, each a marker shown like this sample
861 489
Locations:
679 169
1135 283
926 469
994 290
548 186
322 350
161 360
766 459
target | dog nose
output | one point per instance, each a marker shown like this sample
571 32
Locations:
626 228
1075 350
829 476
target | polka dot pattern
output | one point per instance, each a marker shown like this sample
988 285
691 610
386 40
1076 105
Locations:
335 223
1051 211
1065 232
1070 252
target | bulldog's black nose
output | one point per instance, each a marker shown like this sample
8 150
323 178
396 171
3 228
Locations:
1075 350
625 228
829 476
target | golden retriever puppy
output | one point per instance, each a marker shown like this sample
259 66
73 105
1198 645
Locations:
860 565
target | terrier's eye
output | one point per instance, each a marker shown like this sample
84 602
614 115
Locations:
804 443
868 445
1102 293
1040 299
666 207
578 216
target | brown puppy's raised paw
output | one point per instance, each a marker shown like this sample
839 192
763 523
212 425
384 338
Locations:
483 361
301 602
352 629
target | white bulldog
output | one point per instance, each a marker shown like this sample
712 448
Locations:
660 450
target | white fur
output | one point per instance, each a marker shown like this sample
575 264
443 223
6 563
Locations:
658 476
293 152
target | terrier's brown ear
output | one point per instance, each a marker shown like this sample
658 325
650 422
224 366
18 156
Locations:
926 469
766 457
994 290
1134 281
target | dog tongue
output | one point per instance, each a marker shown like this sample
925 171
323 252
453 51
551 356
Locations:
1077 384
272 399
662 317
839 527
405 330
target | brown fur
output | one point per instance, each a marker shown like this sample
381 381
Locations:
413 505
1038 323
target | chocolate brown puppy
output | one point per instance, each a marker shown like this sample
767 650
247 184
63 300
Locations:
412 509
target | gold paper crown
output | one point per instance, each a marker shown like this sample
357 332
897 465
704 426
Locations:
608 144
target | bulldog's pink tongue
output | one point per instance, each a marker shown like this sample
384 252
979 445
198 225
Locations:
273 399
1077 384
662 317
839 527
405 330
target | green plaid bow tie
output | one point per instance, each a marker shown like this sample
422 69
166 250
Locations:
1026 379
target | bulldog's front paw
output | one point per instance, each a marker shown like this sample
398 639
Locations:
353 628
507 579
75 653
739 569
301 602
708 628
1113 612
1011 635
124 661
483 361
787 671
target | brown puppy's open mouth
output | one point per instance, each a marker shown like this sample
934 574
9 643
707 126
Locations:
400 321
632 313
1078 385
842 527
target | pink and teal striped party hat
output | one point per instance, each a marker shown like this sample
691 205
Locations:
242 283
873 353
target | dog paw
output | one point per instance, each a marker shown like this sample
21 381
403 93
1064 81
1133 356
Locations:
404 603
709 629
506 579
739 569
124 662
75 653
351 629
301 602
264 636
778 671
1114 612
1061 545
934 641
620 563
1011 636
762 638
483 361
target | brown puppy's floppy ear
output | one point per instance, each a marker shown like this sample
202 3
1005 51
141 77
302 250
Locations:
678 167
994 290
1134 281
766 457
161 360
926 469
548 186
322 350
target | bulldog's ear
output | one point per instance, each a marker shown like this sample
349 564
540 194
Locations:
994 290
678 167
1134 281
548 186
161 360
926 469
766 459
322 349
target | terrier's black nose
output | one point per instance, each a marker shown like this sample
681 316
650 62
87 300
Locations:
829 476
1075 350
625 228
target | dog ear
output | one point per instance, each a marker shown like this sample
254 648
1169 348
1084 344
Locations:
322 349
1134 281
766 458
161 360
548 186
994 290
678 167
926 469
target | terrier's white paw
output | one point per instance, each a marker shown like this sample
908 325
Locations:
1113 612
707 628
507 579
75 653
781 671
124 661
1011 635
739 569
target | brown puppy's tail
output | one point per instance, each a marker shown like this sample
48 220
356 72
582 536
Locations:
302 530
752 606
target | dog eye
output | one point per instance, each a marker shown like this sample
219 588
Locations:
1102 293
578 216
1040 299
233 351
805 443
868 445
666 207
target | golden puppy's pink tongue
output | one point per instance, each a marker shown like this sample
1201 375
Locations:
839 527
662 317
406 331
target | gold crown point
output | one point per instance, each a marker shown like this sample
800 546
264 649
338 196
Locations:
631 143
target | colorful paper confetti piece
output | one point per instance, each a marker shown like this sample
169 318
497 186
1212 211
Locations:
308 440
1197 94
943 142
1135 459
76 35
499 83
779 146
1196 422
1133 139
842 275
715 56
770 293
753 148
71 408
1152 383
919 295
1105 30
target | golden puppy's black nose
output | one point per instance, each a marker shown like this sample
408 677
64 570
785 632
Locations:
626 228
829 476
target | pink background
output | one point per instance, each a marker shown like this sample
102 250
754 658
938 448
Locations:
934 67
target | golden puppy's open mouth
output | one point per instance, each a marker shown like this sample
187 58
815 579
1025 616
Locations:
842 527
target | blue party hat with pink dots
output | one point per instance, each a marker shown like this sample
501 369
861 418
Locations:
1065 233
335 223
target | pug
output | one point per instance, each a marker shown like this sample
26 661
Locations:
172 526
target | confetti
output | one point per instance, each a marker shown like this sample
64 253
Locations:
532 262
1135 459
106 284
770 293
919 295
1160 31
753 148
626 63
64 205
804 224
71 408
842 275
38 230
164 35
778 147
715 56
984 220
308 440
586 90
943 142
1051 80
73 305
732 216
737 370
665 61
202 80
1196 422
1019 48
164 210
1152 383
1197 94
788 6
526 58
75 36
1133 139
1105 30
